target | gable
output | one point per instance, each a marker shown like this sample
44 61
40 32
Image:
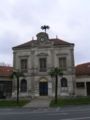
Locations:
35 43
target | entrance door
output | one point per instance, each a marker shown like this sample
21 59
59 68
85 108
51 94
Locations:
88 88
1 90
43 88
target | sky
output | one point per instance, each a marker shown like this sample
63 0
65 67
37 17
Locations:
21 20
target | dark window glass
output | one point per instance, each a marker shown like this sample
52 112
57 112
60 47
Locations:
80 85
23 86
63 82
24 65
62 63
42 63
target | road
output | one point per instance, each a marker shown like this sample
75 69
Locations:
66 113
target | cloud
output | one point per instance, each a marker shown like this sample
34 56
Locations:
20 20
7 41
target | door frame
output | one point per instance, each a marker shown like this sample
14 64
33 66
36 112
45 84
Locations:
43 88
88 88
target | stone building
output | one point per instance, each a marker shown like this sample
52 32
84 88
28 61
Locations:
36 58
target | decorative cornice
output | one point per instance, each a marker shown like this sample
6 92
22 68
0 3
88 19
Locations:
61 54
42 54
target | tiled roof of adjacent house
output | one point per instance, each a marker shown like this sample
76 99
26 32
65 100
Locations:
83 69
5 71
56 41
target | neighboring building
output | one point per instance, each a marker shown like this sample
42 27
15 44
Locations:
36 58
5 81
83 79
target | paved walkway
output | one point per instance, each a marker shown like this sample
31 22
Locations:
39 102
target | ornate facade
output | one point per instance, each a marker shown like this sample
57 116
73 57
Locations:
36 58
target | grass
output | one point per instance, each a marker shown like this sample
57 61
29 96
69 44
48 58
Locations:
70 101
12 103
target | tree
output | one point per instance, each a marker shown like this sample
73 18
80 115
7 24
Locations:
55 72
45 27
17 74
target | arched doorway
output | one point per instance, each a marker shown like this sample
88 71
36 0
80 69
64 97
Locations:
43 87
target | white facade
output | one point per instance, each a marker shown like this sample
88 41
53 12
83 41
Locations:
83 79
85 89
51 50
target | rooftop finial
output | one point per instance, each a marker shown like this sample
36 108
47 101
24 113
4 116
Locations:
45 27
56 37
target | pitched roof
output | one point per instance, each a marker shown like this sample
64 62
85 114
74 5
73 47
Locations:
56 41
83 69
60 42
5 71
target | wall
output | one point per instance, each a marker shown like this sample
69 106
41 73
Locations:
33 75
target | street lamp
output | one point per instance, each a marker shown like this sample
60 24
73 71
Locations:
54 73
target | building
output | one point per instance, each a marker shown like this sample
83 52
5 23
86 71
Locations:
36 58
5 81
83 79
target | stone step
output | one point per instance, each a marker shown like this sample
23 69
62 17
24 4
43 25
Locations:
39 102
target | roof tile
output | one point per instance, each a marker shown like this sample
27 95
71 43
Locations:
55 40
83 69
5 71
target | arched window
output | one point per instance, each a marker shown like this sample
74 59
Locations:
63 82
23 85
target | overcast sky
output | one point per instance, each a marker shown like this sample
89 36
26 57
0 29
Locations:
20 20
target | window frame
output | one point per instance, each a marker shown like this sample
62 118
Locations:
23 85
42 64
24 65
64 82
80 85
63 63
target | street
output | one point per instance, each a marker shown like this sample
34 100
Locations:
65 113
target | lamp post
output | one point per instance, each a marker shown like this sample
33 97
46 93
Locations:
54 73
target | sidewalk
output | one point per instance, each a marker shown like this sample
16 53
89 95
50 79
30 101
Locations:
39 102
